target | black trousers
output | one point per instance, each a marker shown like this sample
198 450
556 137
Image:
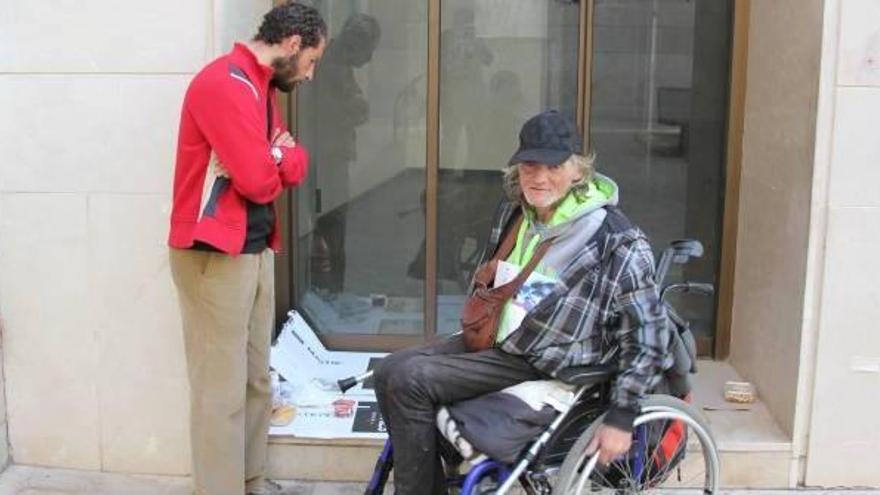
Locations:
412 384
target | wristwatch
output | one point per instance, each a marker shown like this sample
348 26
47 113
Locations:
277 154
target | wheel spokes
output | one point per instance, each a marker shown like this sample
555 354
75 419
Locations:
679 471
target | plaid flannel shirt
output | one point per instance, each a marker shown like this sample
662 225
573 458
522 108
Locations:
607 298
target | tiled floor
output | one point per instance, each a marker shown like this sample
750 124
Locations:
737 428
25 480
755 453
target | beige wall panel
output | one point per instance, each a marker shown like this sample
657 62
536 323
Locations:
49 342
859 50
782 83
89 133
142 386
768 297
236 20
855 172
778 138
4 437
53 146
844 437
103 36
144 135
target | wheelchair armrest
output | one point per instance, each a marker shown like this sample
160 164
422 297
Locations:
586 375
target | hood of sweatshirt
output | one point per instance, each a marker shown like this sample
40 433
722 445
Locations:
574 222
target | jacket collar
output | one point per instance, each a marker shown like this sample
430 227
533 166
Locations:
258 73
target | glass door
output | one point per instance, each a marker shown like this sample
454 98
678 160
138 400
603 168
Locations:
658 116
361 272
500 63
415 112
359 218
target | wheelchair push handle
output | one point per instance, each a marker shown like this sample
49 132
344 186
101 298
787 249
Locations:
347 383
701 288
695 287
679 252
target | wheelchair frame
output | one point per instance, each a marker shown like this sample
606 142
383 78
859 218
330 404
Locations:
592 382
531 470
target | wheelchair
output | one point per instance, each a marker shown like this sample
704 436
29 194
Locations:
672 445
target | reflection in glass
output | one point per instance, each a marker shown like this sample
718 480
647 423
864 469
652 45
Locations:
358 215
501 62
658 115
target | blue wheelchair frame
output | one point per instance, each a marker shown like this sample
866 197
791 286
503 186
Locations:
499 471
467 482
586 378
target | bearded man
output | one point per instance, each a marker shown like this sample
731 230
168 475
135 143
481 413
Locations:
234 158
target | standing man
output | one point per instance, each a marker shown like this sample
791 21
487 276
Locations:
234 157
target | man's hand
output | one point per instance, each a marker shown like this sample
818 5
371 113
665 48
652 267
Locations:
217 167
282 138
611 443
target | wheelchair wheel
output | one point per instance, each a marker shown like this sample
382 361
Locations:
672 448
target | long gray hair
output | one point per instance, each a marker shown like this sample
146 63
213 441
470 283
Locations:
584 165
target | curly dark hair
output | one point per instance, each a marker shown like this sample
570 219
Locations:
289 19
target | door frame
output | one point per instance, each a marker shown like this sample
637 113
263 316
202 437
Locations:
733 171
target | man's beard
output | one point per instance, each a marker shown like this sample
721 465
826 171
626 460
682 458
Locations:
285 76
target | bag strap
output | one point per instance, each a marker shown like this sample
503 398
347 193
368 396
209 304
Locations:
530 266
507 290
510 288
509 241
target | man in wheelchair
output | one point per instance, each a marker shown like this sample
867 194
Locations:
592 289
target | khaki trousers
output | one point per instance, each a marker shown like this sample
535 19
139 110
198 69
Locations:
227 306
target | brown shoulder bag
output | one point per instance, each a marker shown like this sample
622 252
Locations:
482 309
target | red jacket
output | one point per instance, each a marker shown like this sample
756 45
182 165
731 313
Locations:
225 112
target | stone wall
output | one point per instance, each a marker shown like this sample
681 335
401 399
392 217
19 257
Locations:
90 93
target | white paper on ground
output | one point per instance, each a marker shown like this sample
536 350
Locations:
312 371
